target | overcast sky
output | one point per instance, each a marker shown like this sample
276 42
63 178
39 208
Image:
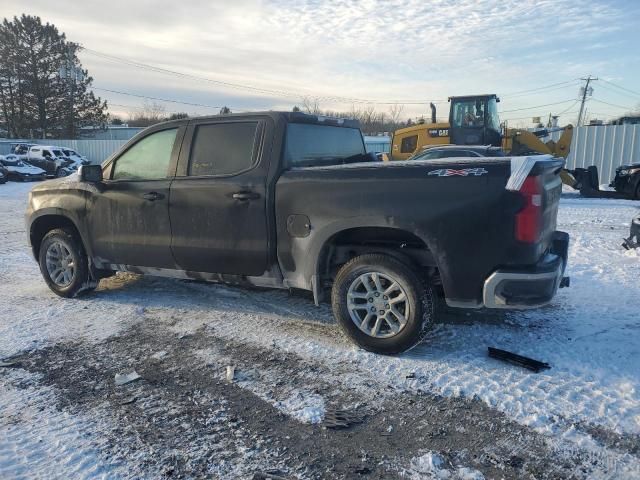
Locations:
341 52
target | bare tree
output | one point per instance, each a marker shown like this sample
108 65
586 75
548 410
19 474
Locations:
371 121
395 111
149 114
311 105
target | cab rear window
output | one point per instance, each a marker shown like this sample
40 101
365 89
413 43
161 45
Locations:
312 145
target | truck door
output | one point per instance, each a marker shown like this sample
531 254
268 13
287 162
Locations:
128 217
218 205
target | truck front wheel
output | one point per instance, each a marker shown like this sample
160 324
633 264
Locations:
382 304
63 263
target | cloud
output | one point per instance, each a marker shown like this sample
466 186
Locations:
380 50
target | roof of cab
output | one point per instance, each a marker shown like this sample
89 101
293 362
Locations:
290 117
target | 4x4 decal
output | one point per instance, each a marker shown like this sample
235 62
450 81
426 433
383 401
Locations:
465 172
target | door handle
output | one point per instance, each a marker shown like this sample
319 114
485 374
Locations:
152 196
244 196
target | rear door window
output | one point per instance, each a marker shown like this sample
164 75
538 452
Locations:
223 148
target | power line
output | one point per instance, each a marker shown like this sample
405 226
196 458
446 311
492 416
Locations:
164 99
297 95
547 88
154 68
612 104
277 93
537 106
624 94
621 87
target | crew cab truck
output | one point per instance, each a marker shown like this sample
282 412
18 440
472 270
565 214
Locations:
289 200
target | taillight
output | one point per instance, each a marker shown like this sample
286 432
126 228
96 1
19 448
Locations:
529 219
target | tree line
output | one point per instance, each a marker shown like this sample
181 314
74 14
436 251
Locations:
44 91
371 120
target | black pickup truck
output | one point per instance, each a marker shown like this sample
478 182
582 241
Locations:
289 200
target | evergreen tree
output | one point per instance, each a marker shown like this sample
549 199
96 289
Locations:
44 91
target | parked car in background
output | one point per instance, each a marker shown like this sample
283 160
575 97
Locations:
4 174
75 157
51 159
21 150
452 151
627 180
19 170
289 200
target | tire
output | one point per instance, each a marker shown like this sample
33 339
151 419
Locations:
60 173
637 193
392 336
63 243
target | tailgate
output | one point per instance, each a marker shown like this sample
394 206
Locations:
549 172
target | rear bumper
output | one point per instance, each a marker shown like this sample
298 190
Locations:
528 287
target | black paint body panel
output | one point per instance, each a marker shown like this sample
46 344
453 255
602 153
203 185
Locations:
276 223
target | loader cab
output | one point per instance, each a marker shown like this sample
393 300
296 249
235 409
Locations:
474 120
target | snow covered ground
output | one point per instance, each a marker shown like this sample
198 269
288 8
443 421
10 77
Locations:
585 410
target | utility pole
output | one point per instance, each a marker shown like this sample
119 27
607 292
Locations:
585 91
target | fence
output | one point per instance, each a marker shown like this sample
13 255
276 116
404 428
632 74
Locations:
604 146
95 150
98 150
377 144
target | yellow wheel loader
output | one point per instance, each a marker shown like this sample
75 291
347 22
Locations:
474 120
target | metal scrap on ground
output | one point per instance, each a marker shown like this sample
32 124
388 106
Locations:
124 378
515 359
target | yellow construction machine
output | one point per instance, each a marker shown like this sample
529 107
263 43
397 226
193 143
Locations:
474 120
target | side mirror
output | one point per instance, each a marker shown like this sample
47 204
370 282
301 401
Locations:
90 173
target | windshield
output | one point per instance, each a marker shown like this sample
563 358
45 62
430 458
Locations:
468 113
311 144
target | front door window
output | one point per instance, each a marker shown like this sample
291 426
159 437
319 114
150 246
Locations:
148 159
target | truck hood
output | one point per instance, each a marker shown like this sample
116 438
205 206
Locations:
60 184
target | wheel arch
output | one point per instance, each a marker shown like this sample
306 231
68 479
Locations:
343 243
46 222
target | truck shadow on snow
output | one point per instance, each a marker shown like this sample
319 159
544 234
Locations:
193 296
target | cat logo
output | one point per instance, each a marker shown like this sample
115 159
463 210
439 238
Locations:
438 132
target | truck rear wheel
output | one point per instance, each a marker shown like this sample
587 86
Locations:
382 304
64 264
